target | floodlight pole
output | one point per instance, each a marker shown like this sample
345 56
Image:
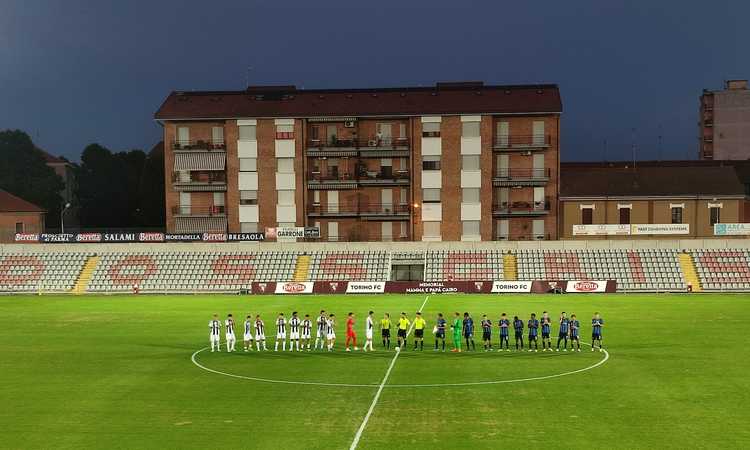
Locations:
62 218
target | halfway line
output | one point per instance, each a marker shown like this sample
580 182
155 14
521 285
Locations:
362 426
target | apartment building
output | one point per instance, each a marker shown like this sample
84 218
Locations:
683 199
456 161
724 122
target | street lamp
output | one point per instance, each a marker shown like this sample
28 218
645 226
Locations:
62 218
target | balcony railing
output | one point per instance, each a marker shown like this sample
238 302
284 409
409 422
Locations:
357 209
198 145
511 173
365 177
524 237
517 141
202 211
200 178
522 208
371 143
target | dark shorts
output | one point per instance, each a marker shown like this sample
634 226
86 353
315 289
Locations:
469 334
574 337
440 334
385 333
532 337
562 335
401 333
486 335
419 333
596 336
519 336
504 337
545 335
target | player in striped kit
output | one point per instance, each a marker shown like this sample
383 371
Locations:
306 331
248 336
563 334
575 326
596 331
320 334
294 324
229 326
260 333
368 331
546 324
214 333
280 332
331 332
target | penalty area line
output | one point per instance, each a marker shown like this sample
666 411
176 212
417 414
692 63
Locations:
375 399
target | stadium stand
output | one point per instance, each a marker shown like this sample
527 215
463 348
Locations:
723 270
480 265
40 271
351 266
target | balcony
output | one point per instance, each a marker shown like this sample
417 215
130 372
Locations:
200 181
519 142
509 177
346 180
371 211
199 211
521 209
524 237
198 145
362 148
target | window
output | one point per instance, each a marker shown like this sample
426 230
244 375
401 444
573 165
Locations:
624 216
402 231
333 231
284 131
431 163
217 135
183 135
470 162
316 198
19 227
286 197
431 229
502 230
285 165
431 195
248 164
248 227
314 132
248 197
470 129
219 199
470 227
470 195
431 129
587 216
403 196
715 213
386 231
247 132
537 228
677 214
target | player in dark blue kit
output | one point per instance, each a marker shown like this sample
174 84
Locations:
575 326
468 330
562 335
440 325
518 326
596 332
504 325
486 333
546 325
533 327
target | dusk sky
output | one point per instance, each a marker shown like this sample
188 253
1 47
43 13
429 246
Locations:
77 72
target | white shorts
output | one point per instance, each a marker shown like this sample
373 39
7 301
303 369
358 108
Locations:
214 337
305 335
320 334
230 337
331 336
260 337
248 337
294 335
368 334
280 335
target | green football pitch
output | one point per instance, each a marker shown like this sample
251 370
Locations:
133 372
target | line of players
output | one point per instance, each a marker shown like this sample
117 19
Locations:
300 332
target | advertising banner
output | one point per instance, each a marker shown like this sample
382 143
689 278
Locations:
548 286
365 287
27 237
182 237
586 286
511 286
214 237
601 230
731 229
151 237
294 287
120 237
425 287
660 228
88 237
330 287
57 238
244 237
312 232
263 287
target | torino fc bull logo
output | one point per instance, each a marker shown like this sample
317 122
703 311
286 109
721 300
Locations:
262 287
334 286
478 285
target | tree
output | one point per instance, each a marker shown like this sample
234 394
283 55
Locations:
152 188
24 173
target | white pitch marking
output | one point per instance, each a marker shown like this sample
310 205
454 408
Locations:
380 388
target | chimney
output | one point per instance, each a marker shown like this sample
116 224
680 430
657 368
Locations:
736 85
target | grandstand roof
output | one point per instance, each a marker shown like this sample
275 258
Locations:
592 180
288 101
11 203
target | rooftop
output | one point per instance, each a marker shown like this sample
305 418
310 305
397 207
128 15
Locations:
11 203
473 97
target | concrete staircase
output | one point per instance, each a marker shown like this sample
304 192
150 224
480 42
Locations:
688 270
302 268
82 282
510 267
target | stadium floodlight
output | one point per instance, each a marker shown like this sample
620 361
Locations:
62 217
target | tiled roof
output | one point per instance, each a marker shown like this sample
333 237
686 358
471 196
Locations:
11 203
287 101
